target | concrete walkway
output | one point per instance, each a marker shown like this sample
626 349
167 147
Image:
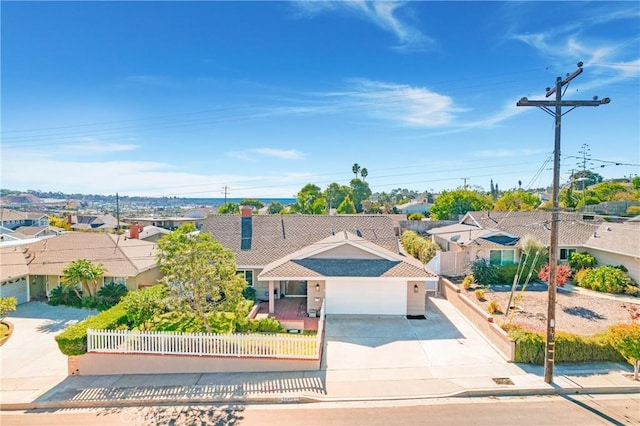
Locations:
436 370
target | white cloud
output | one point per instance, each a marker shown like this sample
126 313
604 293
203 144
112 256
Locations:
382 14
22 169
255 154
410 105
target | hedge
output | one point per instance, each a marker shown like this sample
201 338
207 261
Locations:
570 348
73 340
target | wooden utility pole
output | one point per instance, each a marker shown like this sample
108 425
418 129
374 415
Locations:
549 356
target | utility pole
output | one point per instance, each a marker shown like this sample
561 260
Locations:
586 158
225 191
118 214
465 182
549 356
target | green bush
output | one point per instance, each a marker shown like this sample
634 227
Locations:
249 293
633 210
579 261
64 296
144 305
606 279
89 302
110 294
626 339
483 272
570 348
418 247
73 340
415 216
506 273
264 325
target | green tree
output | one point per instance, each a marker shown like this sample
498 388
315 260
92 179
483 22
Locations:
144 306
83 272
229 208
346 206
200 273
7 305
253 202
635 182
359 192
608 191
336 193
275 207
364 173
585 178
449 205
356 169
309 200
518 201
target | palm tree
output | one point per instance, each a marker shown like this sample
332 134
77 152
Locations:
364 173
356 169
83 272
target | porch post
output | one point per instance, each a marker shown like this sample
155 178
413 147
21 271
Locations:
272 303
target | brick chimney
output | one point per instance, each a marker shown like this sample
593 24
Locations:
134 231
246 211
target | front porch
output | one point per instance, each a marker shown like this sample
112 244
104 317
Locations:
290 311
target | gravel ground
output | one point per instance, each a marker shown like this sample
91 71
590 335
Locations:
575 313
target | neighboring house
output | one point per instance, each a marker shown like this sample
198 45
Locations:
14 219
169 223
352 262
7 234
415 206
146 233
39 231
616 244
128 261
14 275
200 212
95 222
495 236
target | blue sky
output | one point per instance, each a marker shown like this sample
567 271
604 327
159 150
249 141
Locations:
183 98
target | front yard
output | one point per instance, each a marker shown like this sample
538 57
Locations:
576 313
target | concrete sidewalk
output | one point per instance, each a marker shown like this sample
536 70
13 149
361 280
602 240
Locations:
317 386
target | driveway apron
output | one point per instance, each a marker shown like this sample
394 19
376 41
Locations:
30 359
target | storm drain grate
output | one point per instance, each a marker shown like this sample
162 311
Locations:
502 380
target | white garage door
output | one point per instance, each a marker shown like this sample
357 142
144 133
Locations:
16 289
366 297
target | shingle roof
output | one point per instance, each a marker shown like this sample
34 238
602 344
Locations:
121 257
10 214
276 236
573 228
14 264
616 238
383 263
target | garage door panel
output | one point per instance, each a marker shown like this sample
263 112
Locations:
366 297
16 289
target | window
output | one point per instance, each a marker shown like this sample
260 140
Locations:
117 280
247 274
501 257
565 253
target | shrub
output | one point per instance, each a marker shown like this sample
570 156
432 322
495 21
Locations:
506 273
64 296
415 216
626 339
479 294
570 348
89 302
110 294
73 340
494 307
468 281
579 261
264 325
7 304
633 210
483 272
144 305
418 247
606 279
578 277
563 273
249 293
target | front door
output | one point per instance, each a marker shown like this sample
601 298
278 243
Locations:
295 288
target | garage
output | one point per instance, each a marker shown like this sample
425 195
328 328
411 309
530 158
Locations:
17 288
366 296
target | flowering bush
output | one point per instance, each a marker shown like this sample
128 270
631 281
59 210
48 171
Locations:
563 273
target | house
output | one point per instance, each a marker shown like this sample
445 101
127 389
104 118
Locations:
14 275
39 231
495 236
169 223
616 244
351 262
146 233
95 222
200 212
128 261
13 219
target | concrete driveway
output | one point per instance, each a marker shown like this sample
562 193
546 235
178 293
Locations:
30 359
445 345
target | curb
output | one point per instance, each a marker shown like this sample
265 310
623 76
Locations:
305 399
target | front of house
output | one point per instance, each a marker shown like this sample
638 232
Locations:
350 262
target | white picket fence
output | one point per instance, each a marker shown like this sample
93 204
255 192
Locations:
271 345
